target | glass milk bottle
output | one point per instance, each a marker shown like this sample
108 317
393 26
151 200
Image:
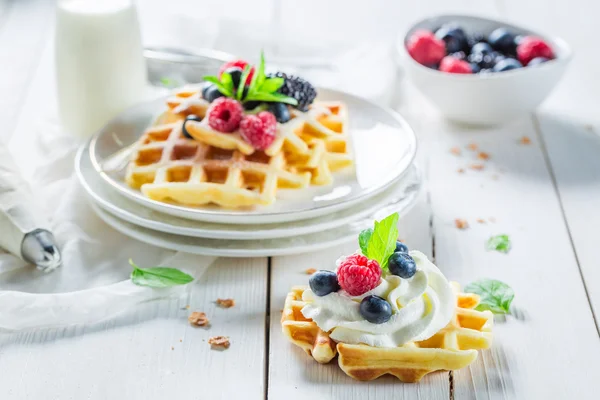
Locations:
99 62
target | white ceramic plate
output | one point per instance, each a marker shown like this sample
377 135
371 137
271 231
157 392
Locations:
383 146
111 201
250 248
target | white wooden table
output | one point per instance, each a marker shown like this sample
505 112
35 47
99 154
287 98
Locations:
545 195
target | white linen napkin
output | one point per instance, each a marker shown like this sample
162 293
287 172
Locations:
93 283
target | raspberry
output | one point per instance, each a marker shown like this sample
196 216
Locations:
259 130
455 66
532 47
225 114
240 64
425 48
357 274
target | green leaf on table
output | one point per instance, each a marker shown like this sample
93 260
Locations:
495 295
363 240
499 243
382 242
158 277
168 82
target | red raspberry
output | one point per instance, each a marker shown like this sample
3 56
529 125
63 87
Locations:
240 64
531 47
225 114
425 48
455 66
357 274
259 130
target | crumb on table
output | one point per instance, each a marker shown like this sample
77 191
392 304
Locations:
455 151
525 140
219 342
198 319
481 220
461 223
310 271
472 146
225 303
477 167
482 155
461 170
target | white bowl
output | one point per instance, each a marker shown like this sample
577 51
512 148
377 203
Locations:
485 99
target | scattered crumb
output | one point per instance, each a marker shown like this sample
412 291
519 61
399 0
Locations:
525 140
589 127
481 220
472 146
172 348
281 310
483 155
225 303
180 340
461 223
477 167
219 342
492 219
402 240
455 151
310 271
198 319
461 171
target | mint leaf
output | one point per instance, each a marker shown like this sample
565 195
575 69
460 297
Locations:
260 74
499 243
239 94
272 85
496 296
219 85
275 97
383 240
158 277
363 240
227 81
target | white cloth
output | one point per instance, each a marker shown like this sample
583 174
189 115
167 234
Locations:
93 283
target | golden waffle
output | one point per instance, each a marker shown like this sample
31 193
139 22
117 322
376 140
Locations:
453 347
169 167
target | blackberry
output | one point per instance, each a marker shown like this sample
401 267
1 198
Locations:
298 88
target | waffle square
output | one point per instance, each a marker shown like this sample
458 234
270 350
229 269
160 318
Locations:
453 347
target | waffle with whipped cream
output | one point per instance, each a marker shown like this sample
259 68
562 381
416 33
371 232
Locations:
451 348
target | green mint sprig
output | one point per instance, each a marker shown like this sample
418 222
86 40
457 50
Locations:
158 277
495 295
261 88
379 243
499 243
168 82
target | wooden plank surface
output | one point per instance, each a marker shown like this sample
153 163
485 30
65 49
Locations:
151 352
516 189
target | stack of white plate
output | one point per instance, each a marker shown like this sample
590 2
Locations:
382 181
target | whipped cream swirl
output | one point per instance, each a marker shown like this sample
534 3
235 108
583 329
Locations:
421 306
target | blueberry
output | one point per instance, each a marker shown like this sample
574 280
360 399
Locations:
205 87
459 55
474 39
375 309
453 36
401 247
502 40
481 48
506 65
212 93
475 68
251 105
190 117
236 75
281 112
323 282
402 265
537 61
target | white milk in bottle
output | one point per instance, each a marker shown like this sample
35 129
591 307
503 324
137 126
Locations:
99 62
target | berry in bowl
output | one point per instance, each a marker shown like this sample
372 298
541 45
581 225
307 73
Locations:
482 71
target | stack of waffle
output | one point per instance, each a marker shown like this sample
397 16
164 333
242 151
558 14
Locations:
223 169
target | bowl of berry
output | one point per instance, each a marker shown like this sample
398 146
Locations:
482 71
